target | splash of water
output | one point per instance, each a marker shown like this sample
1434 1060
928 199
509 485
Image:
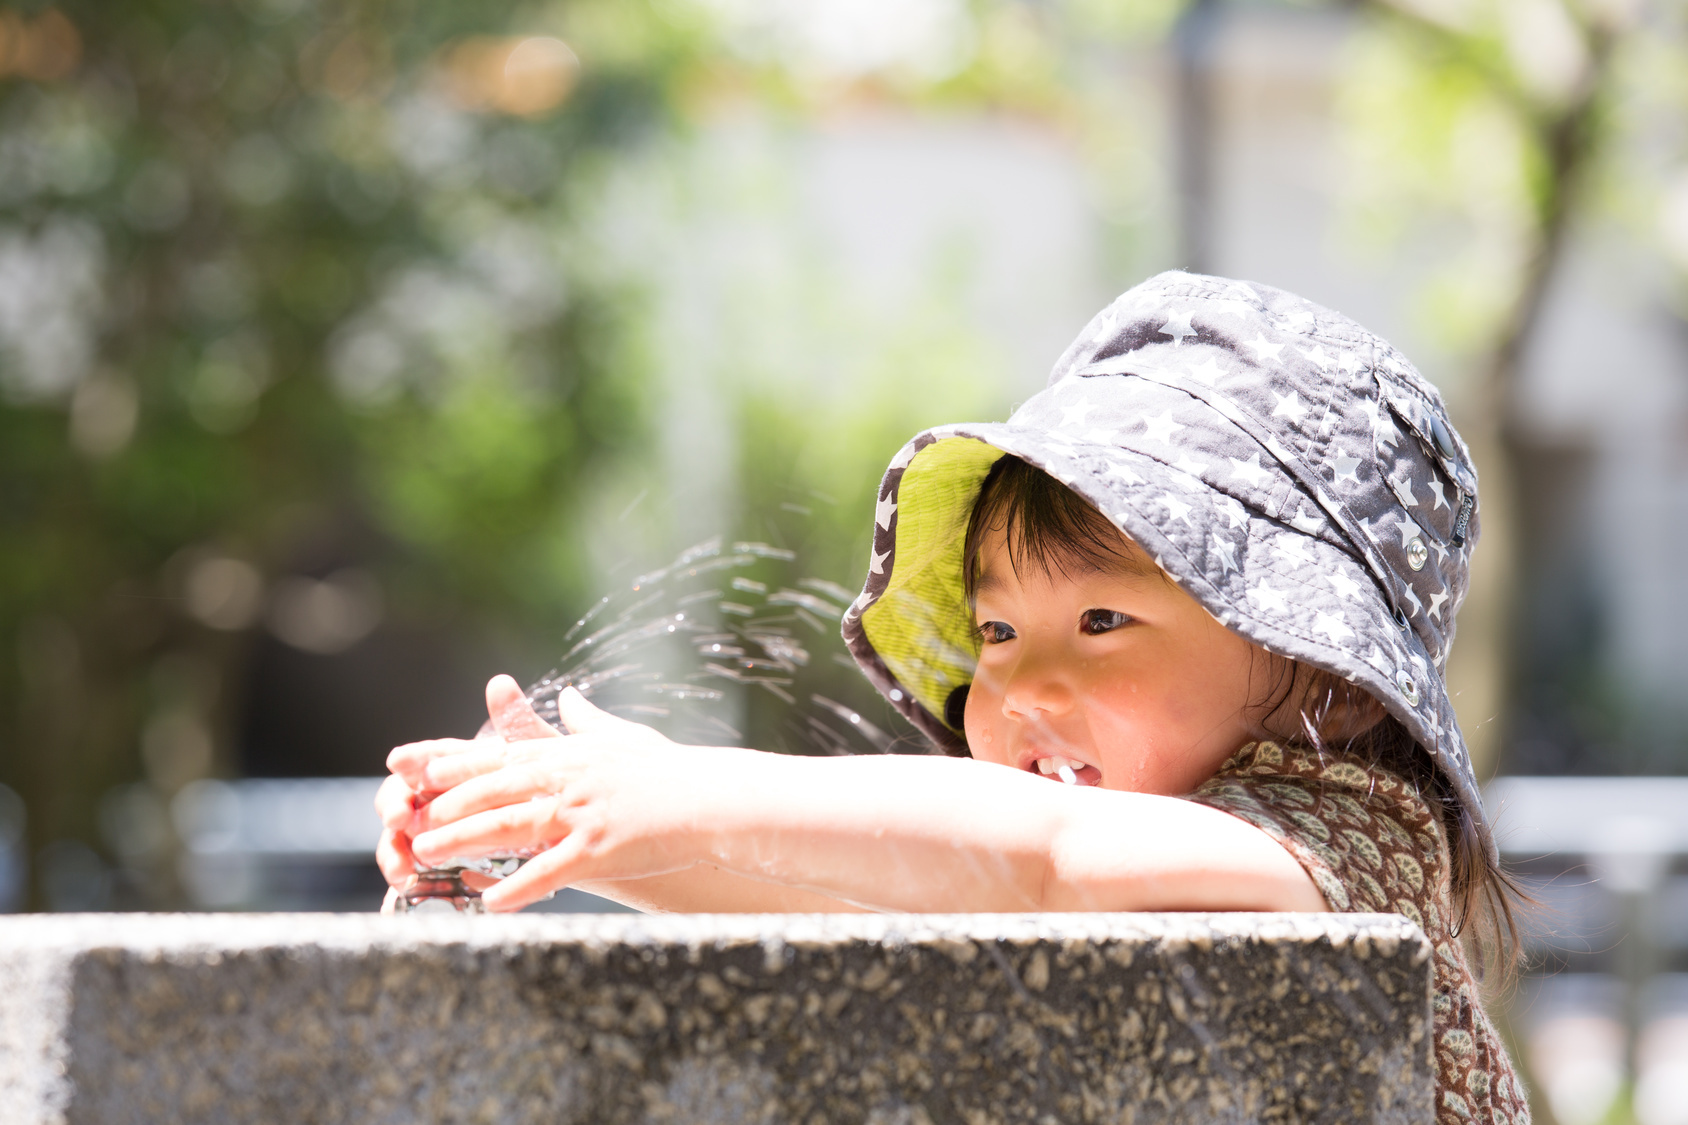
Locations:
687 649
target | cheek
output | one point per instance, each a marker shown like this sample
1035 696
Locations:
984 711
1181 694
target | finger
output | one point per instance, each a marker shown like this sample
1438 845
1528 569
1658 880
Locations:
408 760
512 713
516 783
579 715
499 831
544 874
395 801
446 773
393 856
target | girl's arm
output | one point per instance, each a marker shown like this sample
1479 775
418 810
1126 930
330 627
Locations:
702 888
616 801
706 889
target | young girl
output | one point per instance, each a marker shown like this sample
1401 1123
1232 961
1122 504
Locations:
1196 595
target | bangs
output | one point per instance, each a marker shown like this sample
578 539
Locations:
1049 528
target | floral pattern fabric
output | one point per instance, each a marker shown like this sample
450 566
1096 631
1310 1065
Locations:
1372 843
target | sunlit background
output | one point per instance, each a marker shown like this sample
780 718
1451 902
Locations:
350 352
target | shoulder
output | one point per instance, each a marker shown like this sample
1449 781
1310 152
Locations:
1367 836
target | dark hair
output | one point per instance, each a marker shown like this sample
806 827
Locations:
1050 528
1053 529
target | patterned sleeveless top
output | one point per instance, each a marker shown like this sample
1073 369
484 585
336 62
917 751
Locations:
1372 844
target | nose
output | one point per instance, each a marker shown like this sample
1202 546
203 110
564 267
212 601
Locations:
1036 687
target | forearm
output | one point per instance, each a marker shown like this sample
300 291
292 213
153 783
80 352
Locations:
706 889
936 834
623 812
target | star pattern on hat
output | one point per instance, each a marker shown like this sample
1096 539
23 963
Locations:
1121 471
1235 513
1436 601
1436 488
1226 551
1332 625
1387 435
1161 428
1306 524
885 509
1318 357
1061 449
1176 509
1178 326
1264 349
1250 472
1267 598
1292 548
1345 587
1207 371
1186 464
1383 430
1073 414
1289 406
1403 489
1344 468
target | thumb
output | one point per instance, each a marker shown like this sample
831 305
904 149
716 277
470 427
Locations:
580 715
512 714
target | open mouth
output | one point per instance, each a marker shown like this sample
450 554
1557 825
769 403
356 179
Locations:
1068 771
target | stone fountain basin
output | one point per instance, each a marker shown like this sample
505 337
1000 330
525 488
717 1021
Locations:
606 1019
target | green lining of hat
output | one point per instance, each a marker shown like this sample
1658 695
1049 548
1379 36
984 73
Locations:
921 626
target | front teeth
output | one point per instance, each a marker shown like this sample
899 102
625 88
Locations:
1064 768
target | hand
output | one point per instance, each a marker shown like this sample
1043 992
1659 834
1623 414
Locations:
613 800
512 719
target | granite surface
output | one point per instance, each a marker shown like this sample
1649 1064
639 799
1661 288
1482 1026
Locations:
601 1020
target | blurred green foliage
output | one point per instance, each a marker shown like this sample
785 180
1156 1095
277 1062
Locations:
276 273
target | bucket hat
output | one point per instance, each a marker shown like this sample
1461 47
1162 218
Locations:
1287 468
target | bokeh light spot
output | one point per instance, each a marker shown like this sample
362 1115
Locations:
524 77
45 49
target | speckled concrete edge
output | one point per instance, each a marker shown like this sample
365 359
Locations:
41 954
165 934
34 1053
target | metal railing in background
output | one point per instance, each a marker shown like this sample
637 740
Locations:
1602 1007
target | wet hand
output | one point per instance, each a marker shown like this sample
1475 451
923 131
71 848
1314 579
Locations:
512 718
614 799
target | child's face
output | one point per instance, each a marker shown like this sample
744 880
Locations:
1120 673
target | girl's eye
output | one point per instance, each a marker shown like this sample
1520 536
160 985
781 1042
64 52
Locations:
995 632
1095 622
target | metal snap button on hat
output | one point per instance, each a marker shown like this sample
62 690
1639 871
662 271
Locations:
1444 440
1417 553
1408 688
